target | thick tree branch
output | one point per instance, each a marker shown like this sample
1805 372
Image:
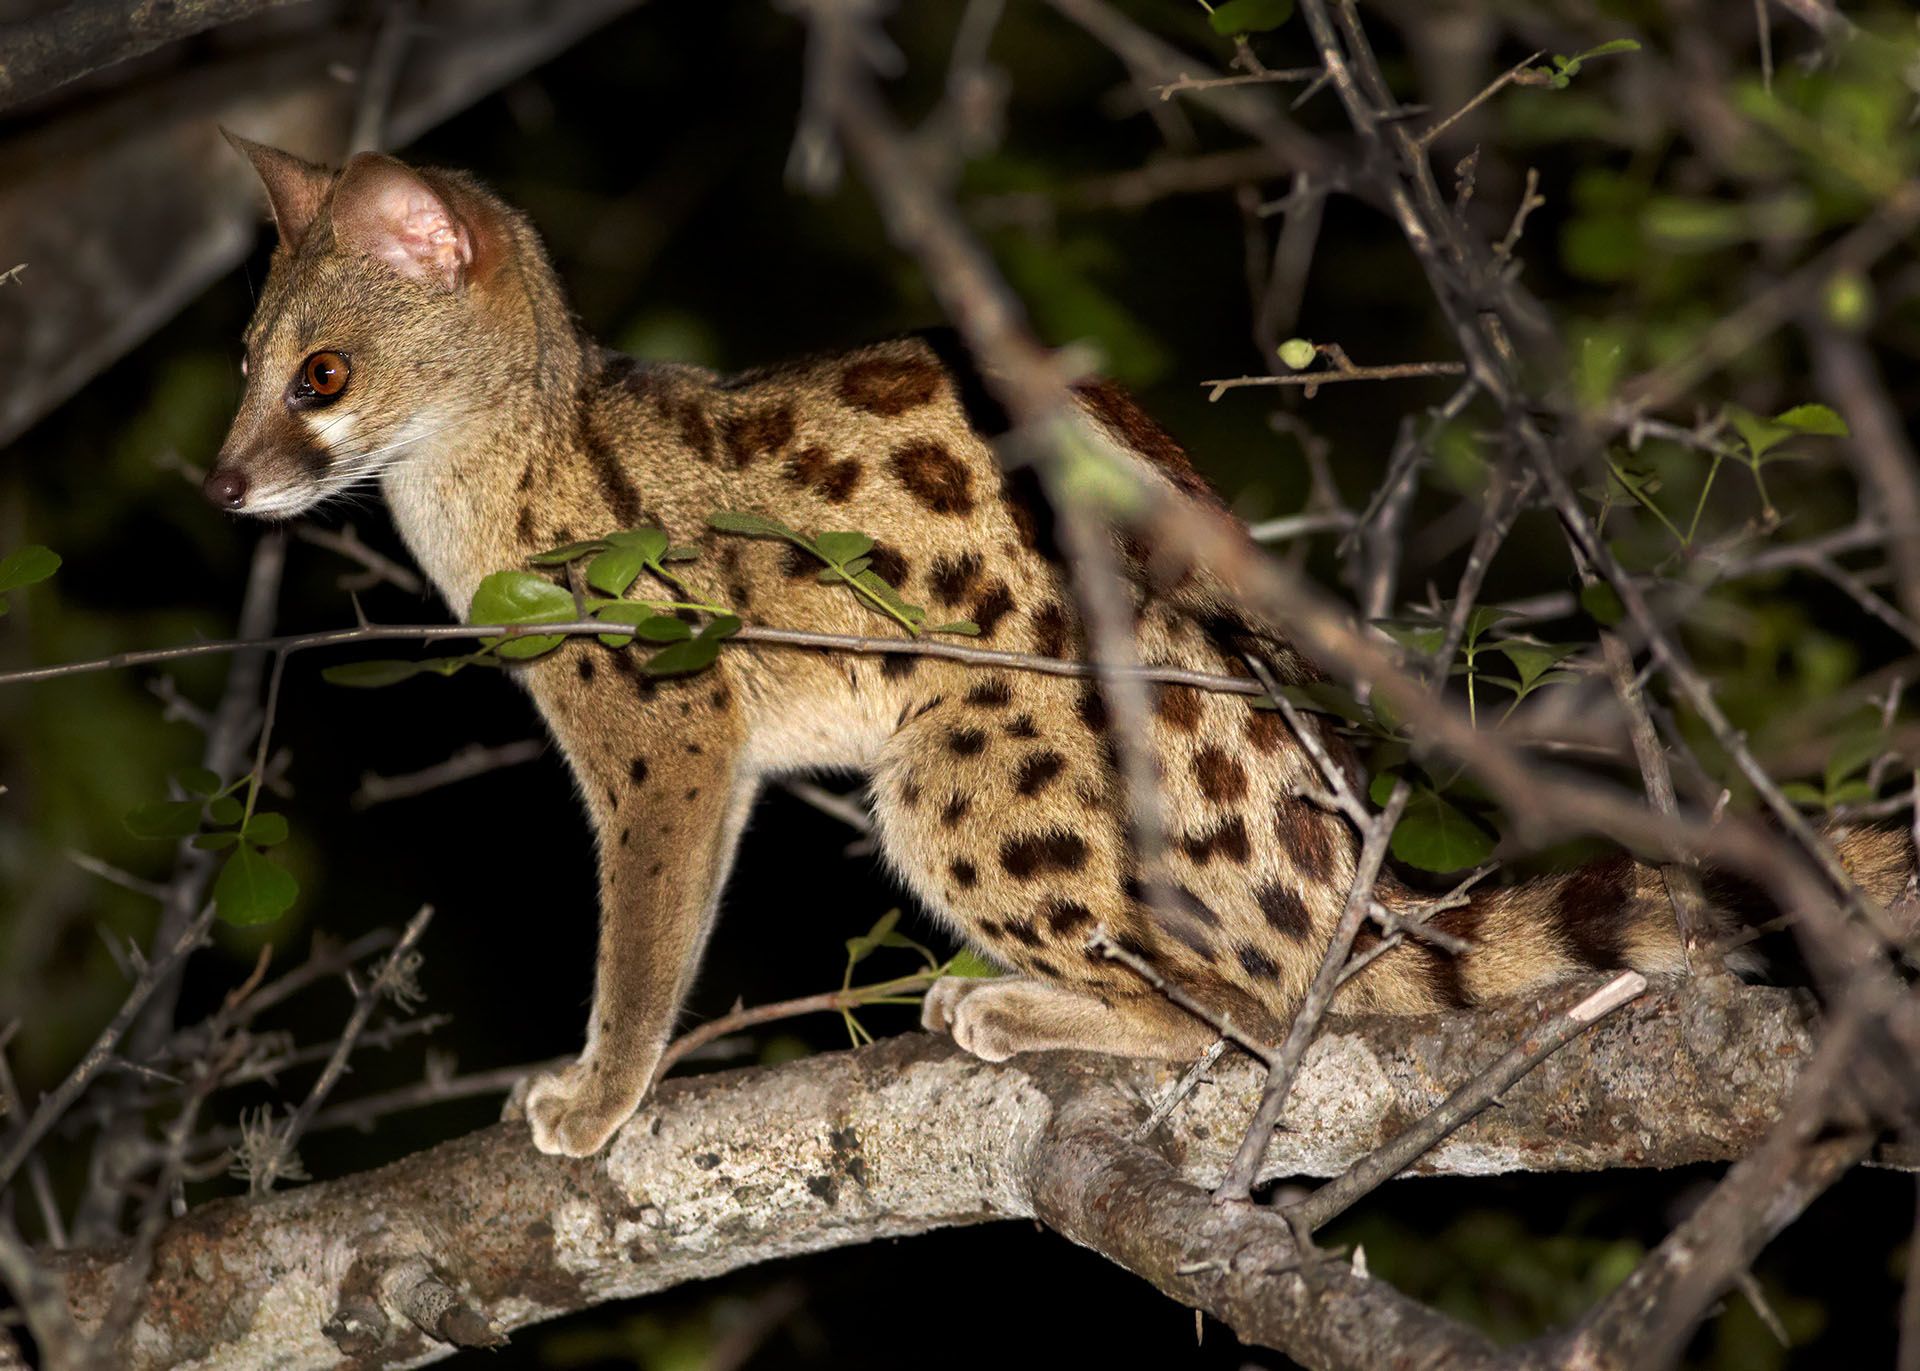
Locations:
724 1171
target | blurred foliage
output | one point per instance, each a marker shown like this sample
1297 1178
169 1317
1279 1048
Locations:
1676 184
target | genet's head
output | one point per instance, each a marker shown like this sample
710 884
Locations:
374 330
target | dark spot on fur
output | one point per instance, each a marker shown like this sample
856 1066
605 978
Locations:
797 564
889 386
1050 630
899 666
814 468
966 742
1256 963
638 770
695 428
991 693
952 577
1037 771
889 565
1022 931
693 792
1266 729
585 667
956 810
1064 916
933 477
1285 911
993 604
1228 840
910 793
1092 709
1306 835
1591 910
1035 854
758 433
1179 706
721 697
965 875
1222 779
1025 500
1022 727
625 835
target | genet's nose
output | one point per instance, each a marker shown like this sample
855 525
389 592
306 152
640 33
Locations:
226 487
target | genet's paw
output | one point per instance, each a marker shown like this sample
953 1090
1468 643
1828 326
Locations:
574 1111
943 997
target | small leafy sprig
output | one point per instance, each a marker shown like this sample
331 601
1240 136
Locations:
848 560
1560 75
901 989
251 888
613 564
1758 439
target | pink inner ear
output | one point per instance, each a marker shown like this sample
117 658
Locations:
386 211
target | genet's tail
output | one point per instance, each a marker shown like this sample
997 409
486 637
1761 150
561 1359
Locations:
1611 914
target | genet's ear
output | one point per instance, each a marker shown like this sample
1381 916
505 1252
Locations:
387 211
295 187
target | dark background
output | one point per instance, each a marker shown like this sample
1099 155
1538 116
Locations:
651 156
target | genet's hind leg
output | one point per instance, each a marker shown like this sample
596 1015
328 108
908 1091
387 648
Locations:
995 1019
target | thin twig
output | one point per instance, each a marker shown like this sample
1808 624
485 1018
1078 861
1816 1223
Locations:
1390 1159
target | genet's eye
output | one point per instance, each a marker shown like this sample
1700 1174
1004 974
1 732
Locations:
324 375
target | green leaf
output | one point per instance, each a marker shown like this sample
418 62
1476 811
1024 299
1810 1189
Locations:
1481 618
1532 660
965 627
871 582
681 552
1437 835
1760 435
572 552
967 962
862 947
614 570
253 889
371 675
1800 793
1854 753
1380 788
629 553
520 597
26 566
1602 602
841 548
1423 638
648 623
1609 48
1814 419
752 525
1849 793
266 828
166 819
197 780
1324 697
696 654
1235 17
225 810
216 842
647 543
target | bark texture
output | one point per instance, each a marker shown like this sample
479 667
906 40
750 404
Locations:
724 1171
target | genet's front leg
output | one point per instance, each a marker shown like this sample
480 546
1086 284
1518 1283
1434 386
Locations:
661 769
